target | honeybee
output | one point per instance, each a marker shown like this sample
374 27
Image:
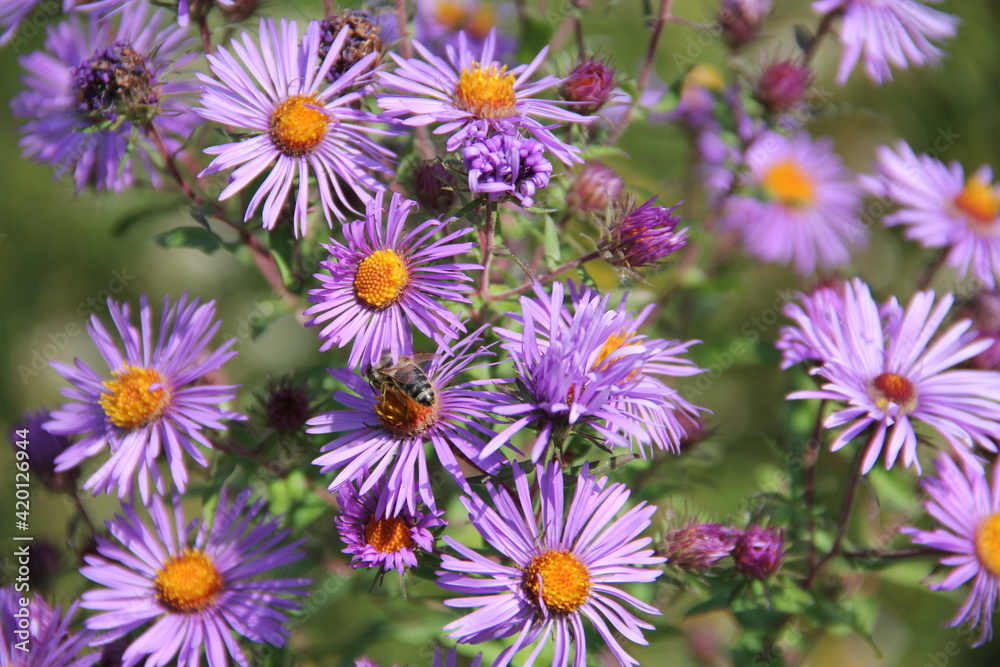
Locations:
405 376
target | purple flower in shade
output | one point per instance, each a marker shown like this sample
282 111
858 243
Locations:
505 163
967 510
890 370
984 311
469 87
808 214
154 401
888 32
49 640
699 547
820 312
383 429
759 552
643 236
375 539
742 20
587 365
195 592
382 283
98 85
940 208
41 449
564 567
301 125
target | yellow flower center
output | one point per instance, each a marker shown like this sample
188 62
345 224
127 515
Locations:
893 388
381 278
188 582
559 579
789 184
486 92
979 202
297 127
988 544
131 402
402 415
388 535
611 345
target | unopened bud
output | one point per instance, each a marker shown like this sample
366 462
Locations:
783 85
589 86
741 20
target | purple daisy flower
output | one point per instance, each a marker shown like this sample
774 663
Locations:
967 510
820 312
505 163
301 124
95 87
381 284
587 365
376 539
943 209
885 366
12 12
196 592
383 428
154 402
35 635
467 87
888 32
564 567
808 217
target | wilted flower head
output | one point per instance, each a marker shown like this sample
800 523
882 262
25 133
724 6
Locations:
759 551
40 449
643 236
594 188
589 85
287 405
505 163
782 85
741 20
434 187
698 547
363 37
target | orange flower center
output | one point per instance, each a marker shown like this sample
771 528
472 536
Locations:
486 92
402 415
979 202
189 582
381 278
789 184
893 388
297 127
559 579
988 544
388 535
131 402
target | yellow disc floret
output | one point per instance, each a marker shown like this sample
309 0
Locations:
297 127
486 92
558 579
788 183
988 544
388 535
188 582
381 278
979 202
135 397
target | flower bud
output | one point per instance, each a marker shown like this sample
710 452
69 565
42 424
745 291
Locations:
287 406
759 552
594 188
433 187
698 547
588 86
741 20
783 85
643 237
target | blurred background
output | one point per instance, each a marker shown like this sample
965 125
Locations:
61 257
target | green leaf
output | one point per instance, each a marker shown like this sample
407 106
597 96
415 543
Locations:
283 252
147 214
553 250
190 237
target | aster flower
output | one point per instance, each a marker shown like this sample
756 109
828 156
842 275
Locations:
966 508
382 283
99 87
941 208
759 552
154 401
12 12
643 236
820 312
41 449
808 216
587 366
563 569
891 370
48 642
197 584
469 87
888 32
984 311
505 163
384 429
299 127
375 539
